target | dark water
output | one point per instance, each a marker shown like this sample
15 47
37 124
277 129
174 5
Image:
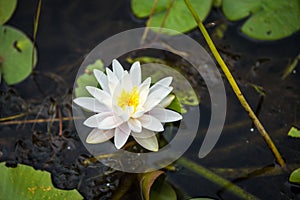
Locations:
68 30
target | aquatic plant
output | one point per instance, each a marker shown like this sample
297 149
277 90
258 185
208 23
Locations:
126 106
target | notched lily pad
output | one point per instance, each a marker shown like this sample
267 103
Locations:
268 19
179 18
23 182
15 55
7 8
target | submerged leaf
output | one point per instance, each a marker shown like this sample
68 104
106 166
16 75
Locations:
269 19
179 18
88 79
295 176
15 55
147 180
294 132
23 182
162 191
7 8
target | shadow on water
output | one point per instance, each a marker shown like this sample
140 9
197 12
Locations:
68 30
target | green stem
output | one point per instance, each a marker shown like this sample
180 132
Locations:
209 175
235 87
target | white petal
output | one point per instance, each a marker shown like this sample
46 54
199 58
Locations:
102 79
91 104
126 83
99 136
121 135
156 97
151 123
167 101
118 69
163 83
100 95
135 125
165 115
109 123
149 143
135 73
144 91
138 113
125 114
112 80
95 120
143 134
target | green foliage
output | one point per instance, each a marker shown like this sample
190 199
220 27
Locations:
7 8
154 187
175 105
162 191
268 19
88 79
179 18
15 55
294 132
295 176
23 182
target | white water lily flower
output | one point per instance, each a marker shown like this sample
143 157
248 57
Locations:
126 106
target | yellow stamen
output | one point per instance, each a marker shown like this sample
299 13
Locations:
129 99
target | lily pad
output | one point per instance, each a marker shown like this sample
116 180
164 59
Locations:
15 55
295 176
179 18
23 182
7 8
294 132
268 19
88 79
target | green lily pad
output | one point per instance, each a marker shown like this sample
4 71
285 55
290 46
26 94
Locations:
179 17
23 182
15 55
7 8
294 132
295 176
268 19
88 79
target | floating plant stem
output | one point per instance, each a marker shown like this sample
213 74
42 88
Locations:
149 21
235 87
12 117
35 27
32 121
289 69
211 176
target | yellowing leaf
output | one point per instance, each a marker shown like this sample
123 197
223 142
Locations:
147 181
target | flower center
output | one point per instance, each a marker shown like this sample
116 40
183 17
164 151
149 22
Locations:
129 99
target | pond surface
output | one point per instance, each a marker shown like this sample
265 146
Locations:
69 30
